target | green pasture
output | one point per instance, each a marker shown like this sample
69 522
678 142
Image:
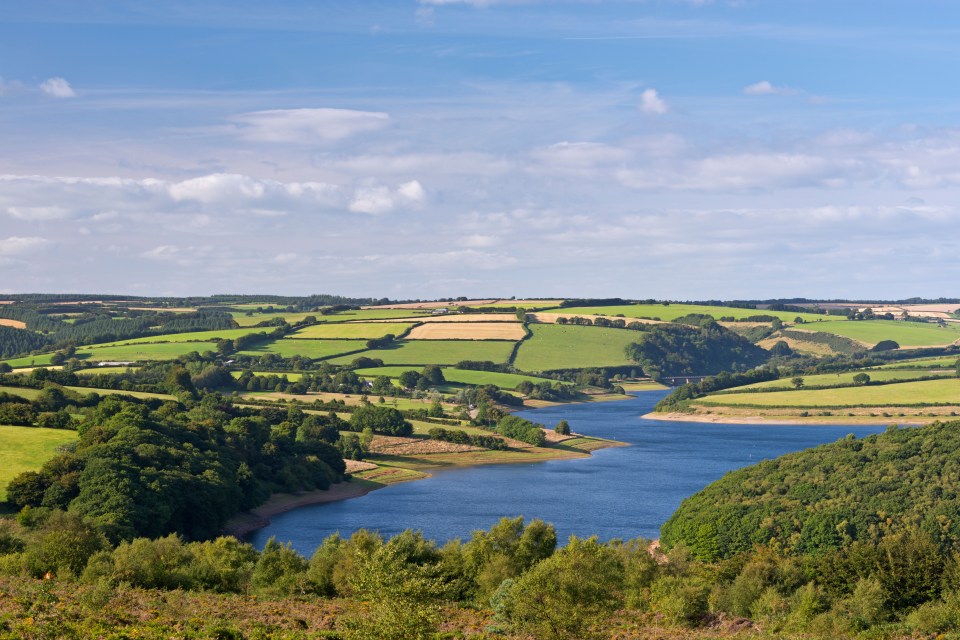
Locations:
673 311
360 330
96 370
834 379
192 336
421 352
291 377
943 391
26 449
141 352
555 346
906 334
30 361
943 362
313 349
460 376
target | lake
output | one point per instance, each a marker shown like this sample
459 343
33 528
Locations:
623 492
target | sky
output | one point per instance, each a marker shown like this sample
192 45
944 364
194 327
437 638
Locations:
673 149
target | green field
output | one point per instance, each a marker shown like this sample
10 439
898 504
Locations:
460 376
673 311
26 449
945 391
421 352
313 349
944 362
96 370
360 330
192 336
343 316
906 334
30 394
140 352
833 379
30 361
291 377
556 346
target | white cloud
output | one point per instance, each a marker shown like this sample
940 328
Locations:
57 88
767 88
651 103
306 126
378 200
16 245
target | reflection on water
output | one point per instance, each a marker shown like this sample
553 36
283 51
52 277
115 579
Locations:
622 492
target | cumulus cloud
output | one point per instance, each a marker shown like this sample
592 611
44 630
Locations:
767 88
57 88
17 245
306 125
651 103
378 200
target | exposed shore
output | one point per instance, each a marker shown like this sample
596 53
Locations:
811 420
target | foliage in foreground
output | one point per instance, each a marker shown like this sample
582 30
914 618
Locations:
826 498
508 582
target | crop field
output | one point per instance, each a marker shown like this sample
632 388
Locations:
460 376
313 349
192 336
906 334
402 404
244 320
468 331
555 346
943 362
30 394
529 305
424 352
944 391
833 379
16 324
354 330
26 449
140 352
672 311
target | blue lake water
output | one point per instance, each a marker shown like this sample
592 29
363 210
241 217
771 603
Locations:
623 492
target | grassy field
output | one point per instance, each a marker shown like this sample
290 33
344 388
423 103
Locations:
291 377
29 361
833 379
946 391
26 449
359 330
906 334
343 316
574 347
460 376
192 336
351 399
672 311
30 394
140 352
287 347
96 370
244 320
944 362
424 352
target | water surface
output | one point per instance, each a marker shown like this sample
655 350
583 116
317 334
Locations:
623 492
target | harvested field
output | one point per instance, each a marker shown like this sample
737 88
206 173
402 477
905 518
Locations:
800 346
669 312
16 324
396 446
170 309
468 331
354 466
422 352
433 305
459 317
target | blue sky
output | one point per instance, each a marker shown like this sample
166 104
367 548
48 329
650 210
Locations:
417 149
